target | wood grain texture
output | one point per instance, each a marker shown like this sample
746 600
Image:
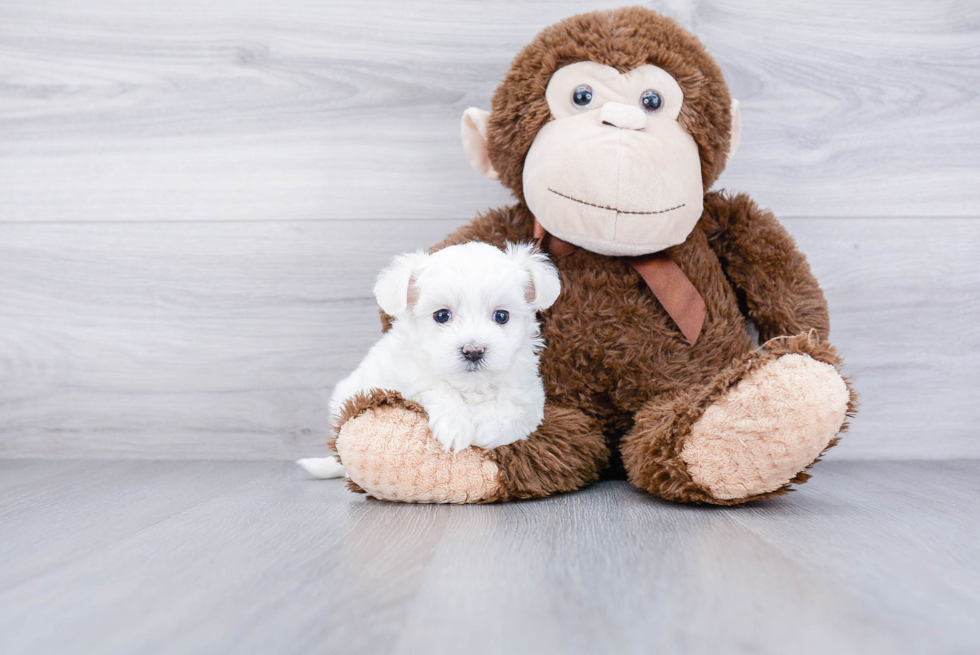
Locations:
258 110
188 557
195 198
223 340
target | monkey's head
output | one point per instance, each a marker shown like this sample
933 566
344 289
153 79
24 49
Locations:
610 126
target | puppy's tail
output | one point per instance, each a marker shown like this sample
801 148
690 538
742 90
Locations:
323 467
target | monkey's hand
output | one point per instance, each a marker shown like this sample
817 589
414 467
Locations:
385 444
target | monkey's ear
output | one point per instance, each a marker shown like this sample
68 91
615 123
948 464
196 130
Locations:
394 286
474 130
736 130
545 285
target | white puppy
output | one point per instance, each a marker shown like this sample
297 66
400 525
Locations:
464 344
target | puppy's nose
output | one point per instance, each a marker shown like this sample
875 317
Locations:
473 353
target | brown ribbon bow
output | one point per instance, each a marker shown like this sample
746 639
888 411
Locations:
679 298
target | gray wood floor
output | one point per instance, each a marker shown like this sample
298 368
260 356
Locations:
191 557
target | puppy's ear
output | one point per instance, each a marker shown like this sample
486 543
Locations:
545 286
394 286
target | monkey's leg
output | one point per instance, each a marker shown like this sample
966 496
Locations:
748 434
384 443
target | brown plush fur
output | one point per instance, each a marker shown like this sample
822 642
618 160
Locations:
614 353
566 453
615 361
624 39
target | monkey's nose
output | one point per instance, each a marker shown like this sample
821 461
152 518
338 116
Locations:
622 116
473 353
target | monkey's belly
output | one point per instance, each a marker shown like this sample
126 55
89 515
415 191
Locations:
609 339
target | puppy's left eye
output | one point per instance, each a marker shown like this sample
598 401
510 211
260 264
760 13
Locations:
442 315
501 317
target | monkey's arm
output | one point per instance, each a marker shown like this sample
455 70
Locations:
772 278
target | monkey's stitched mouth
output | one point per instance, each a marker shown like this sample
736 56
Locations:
618 211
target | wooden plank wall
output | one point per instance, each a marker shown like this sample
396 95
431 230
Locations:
195 197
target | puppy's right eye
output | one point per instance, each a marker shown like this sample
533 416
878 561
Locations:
442 315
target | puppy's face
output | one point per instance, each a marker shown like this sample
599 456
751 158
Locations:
471 307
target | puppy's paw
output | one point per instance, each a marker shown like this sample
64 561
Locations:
453 429
494 432
450 419
503 422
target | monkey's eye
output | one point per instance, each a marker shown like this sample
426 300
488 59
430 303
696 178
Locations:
501 317
582 96
651 101
442 315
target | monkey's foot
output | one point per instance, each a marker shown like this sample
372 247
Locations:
385 444
766 429
747 434
389 453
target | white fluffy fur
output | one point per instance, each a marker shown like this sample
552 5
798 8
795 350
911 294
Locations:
495 402
323 467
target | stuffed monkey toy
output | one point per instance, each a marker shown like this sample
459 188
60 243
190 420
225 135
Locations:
610 129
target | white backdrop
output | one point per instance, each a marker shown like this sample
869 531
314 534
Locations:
195 198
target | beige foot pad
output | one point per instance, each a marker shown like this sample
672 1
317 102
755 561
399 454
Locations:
389 453
768 428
